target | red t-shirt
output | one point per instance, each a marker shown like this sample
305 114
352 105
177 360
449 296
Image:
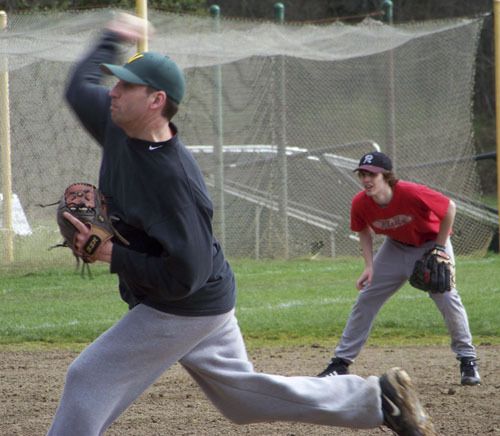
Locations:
413 215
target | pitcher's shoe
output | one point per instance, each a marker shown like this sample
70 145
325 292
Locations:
469 371
403 412
337 366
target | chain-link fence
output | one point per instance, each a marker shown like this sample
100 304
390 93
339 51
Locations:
277 116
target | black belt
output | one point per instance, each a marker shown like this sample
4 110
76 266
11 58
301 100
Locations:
407 245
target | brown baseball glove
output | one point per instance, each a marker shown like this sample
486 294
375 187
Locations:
434 272
86 203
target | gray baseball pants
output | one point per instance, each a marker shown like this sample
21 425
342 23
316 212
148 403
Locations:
392 266
119 366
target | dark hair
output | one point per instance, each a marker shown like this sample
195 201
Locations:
170 108
390 178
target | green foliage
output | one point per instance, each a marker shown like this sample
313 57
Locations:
61 5
294 302
490 200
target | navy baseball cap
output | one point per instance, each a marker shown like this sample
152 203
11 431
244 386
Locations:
151 69
375 162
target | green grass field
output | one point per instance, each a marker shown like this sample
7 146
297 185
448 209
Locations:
285 303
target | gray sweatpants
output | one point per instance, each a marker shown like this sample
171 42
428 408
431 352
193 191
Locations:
114 370
392 265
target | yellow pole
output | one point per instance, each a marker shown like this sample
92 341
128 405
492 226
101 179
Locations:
141 7
6 157
496 17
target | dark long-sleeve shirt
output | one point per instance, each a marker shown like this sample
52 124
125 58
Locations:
157 191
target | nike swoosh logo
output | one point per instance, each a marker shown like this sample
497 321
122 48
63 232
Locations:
395 409
152 147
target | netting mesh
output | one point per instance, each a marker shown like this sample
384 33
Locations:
277 116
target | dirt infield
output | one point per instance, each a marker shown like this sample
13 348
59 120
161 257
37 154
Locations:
31 383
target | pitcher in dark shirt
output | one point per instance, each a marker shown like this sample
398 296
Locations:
173 274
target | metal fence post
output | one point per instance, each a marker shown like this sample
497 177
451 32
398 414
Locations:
7 224
391 99
279 16
496 18
141 7
387 7
218 150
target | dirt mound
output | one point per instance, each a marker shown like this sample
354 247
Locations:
31 384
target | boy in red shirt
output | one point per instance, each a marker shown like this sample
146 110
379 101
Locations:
414 219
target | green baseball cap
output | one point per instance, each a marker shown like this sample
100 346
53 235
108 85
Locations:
151 69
